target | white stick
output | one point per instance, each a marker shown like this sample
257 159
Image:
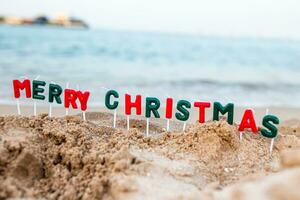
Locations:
147 127
18 107
168 120
23 77
104 88
271 146
34 108
168 125
34 102
83 112
67 109
273 139
18 101
241 136
128 125
50 104
184 125
50 110
83 115
115 118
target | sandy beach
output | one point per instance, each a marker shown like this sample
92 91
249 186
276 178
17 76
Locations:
68 158
175 100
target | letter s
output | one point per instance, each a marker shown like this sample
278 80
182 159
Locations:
272 130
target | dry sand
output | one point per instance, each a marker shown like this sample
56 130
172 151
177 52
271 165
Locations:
67 158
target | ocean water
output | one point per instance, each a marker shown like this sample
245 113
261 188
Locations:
245 71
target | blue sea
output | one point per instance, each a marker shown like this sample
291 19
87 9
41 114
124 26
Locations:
245 71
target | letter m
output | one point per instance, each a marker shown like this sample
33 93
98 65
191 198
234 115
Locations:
18 86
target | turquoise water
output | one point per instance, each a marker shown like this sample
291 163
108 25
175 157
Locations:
246 71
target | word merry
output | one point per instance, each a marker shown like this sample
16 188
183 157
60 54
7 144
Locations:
152 108
35 89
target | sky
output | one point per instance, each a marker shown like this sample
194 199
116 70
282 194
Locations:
255 18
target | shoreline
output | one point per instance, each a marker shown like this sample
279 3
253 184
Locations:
283 113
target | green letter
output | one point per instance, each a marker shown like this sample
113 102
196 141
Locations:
273 129
55 92
152 104
218 108
36 89
183 114
107 99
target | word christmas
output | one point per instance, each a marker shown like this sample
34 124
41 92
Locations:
36 89
152 107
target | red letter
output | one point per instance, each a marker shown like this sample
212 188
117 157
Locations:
202 106
70 97
169 108
21 86
248 121
83 98
137 104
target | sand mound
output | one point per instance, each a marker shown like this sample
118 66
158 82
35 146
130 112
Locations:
221 156
58 158
66 158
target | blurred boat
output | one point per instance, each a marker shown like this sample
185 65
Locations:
42 20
